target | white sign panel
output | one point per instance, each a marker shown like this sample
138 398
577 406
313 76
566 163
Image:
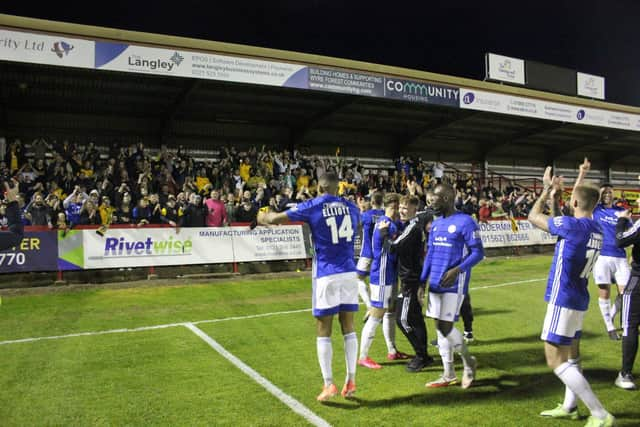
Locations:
590 86
182 63
499 234
539 109
505 69
269 243
157 246
44 49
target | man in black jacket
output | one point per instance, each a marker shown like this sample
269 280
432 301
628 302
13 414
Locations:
630 299
194 214
13 236
409 247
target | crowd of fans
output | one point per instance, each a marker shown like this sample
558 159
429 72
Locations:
63 184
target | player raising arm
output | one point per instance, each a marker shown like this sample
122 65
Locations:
567 296
13 236
333 221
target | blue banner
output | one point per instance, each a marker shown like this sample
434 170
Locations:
38 251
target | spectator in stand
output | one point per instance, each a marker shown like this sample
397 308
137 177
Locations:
37 211
124 214
194 214
73 204
14 156
216 211
155 208
170 213
484 213
202 181
89 214
230 206
142 213
498 212
246 211
256 181
40 148
106 211
438 172
245 169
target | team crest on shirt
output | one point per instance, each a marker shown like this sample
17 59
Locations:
452 229
557 221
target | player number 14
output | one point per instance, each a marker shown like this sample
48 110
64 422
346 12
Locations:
592 254
345 231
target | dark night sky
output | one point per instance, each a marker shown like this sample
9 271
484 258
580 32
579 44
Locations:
597 37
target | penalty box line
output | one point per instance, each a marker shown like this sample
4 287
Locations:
225 319
295 405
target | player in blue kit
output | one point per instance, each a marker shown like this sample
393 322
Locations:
579 243
333 221
612 262
368 221
383 284
454 248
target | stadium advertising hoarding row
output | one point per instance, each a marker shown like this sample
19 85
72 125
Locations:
131 58
540 109
145 247
164 246
501 234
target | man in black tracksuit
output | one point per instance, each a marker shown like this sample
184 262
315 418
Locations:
13 236
630 300
409 247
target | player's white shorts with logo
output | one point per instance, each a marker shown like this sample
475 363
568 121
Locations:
606 268
383 296
364 266
561 325
335 293
445 306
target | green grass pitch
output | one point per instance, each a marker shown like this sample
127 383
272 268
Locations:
170 376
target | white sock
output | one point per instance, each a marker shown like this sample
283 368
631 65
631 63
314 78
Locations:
389 331
613 311
325 354
573 378
458 345
444 348
570 398
368 333
605 310
351 354
363 291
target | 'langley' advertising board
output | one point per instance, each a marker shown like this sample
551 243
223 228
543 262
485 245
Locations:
183 63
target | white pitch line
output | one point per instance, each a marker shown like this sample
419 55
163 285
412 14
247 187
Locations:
507 284
224 319
292 403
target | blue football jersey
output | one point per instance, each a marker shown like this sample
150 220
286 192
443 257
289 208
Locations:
607 219
454 241
384 268
333 222
579 243
368 220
